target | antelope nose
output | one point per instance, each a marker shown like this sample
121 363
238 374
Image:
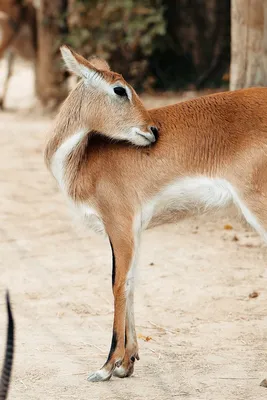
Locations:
154 131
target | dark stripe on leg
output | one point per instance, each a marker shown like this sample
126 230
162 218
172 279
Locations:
113 345
125 340
113 264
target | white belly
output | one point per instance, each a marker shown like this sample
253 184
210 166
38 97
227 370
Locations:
192 194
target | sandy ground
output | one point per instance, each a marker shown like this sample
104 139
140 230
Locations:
207 338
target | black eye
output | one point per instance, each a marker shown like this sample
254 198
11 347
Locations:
120 91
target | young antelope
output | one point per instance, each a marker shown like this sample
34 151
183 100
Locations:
125 168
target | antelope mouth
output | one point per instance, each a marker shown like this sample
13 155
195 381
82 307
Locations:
149 138
141 138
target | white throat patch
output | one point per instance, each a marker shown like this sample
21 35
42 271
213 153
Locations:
86 214
60 156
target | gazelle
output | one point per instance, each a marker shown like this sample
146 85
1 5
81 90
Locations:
7 367
124 169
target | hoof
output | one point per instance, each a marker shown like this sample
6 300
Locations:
127 367
122 372
99 376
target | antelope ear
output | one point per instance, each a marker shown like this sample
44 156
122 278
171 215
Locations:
77 64
99 63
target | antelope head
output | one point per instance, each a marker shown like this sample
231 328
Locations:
105 103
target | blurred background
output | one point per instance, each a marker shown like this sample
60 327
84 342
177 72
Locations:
158 45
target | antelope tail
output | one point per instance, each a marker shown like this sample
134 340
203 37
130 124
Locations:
7 367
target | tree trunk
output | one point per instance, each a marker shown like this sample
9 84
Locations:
199 34
51 86
249 44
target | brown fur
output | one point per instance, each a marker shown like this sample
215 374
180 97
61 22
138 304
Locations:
222 135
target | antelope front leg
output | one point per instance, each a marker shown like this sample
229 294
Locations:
131 346
123 250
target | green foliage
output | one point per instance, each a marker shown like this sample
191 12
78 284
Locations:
124 32
159 44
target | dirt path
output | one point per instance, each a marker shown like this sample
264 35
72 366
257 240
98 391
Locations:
208 338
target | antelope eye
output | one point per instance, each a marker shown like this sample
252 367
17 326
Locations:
120 91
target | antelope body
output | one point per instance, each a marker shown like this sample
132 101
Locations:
125 168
